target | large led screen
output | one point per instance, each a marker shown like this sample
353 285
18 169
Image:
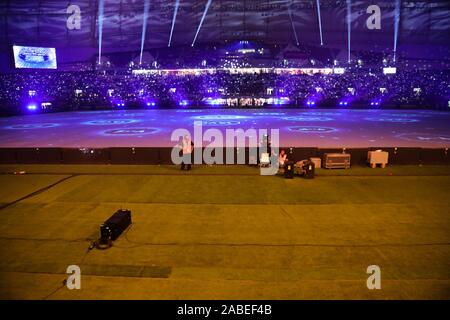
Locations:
34 57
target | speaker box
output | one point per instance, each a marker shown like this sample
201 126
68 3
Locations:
115 225
308 169
289 170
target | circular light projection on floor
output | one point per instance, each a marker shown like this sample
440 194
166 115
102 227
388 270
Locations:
109 122
391 120
403 115
130 131
321 114
220 123
94 112
269 113
308 119
220 117
32 126
426 137
188 111
125 114
312 129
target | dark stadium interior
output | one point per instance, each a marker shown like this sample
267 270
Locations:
354 95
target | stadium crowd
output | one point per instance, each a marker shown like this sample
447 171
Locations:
110 88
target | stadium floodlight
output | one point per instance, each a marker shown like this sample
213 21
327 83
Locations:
175 11
144 28
320 22
201 21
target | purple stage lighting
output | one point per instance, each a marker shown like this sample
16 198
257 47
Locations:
183 103
32 107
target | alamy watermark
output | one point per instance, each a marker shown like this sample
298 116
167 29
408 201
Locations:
74 278
208 146
374 280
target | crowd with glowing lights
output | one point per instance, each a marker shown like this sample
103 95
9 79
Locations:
113 89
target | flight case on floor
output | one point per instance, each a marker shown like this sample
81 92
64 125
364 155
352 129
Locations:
336 160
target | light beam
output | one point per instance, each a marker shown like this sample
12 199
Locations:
100 29
320 22
201 21
175 11
144 27
396 26
293 26
349 29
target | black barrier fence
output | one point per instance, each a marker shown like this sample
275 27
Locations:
162 156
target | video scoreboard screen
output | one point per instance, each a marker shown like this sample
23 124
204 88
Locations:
34 57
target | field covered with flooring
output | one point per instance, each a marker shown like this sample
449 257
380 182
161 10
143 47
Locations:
225 232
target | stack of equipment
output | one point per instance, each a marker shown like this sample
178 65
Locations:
317 162
336 160
377 157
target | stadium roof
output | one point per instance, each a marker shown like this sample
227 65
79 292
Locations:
54 23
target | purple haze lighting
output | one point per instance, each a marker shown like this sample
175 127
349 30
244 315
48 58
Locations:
280 101
32 107
212 101
183 103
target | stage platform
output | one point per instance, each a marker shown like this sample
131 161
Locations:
298 128
144 136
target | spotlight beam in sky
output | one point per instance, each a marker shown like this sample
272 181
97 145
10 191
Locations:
396 26
293 26
320 22
201 21
349 29
175 11
100 29
144 27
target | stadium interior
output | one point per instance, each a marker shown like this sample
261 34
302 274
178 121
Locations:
350 100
